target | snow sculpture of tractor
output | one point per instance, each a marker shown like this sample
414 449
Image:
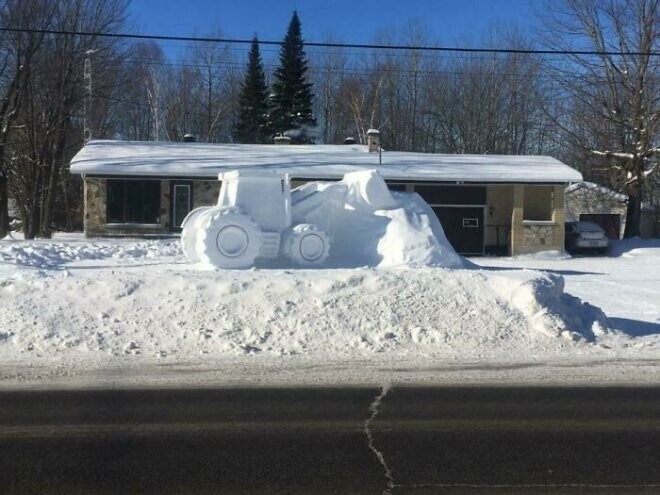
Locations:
251 220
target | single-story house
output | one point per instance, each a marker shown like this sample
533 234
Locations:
595 203
486 203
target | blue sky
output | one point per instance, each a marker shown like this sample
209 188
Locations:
449 22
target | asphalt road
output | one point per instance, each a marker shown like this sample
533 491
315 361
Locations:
344 441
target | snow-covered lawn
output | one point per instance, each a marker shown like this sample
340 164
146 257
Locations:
129 312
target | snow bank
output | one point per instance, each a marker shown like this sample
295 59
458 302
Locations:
42 254
549 309
635 246
139 300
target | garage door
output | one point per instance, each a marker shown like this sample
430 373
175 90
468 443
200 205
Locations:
463 226
610 223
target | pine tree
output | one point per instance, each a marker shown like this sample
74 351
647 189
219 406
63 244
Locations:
292 94
253 126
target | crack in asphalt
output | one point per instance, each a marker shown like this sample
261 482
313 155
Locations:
374 408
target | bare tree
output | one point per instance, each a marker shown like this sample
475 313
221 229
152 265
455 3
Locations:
327 70
211 60
46 136
609 105
18 51
134 111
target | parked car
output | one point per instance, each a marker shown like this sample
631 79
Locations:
585 236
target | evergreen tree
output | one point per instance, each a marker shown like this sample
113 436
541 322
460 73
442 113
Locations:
292 94
252 126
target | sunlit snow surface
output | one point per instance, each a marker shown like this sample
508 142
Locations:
101 312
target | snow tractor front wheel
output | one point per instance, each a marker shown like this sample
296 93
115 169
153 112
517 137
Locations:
228 238
189 233
307 245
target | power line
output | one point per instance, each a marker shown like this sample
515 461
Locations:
347 54
328 44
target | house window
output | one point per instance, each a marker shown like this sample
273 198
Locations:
133 201
538 203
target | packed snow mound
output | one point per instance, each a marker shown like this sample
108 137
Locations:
549 308
370 226
95 308
44 254
367 189
81 305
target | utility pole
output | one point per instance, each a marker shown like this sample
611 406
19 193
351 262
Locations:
87 101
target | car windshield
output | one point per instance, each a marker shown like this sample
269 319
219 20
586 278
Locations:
588 227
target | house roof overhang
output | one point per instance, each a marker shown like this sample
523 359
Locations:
142 159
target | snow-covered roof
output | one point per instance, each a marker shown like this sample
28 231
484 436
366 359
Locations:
589 188
164 159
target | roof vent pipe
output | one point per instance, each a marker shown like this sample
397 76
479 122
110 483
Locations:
189 138
373 140
282 140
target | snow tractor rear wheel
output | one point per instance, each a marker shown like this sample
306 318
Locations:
307 245
189 233
228 238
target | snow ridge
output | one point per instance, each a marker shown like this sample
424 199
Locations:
53 255
84 305
374 409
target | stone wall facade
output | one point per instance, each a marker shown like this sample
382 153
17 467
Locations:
538 235
533 236
94 197
505 208
204 192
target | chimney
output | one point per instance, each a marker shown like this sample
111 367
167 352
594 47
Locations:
373 140
282 140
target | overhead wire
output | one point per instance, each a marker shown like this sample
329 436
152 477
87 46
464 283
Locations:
373 46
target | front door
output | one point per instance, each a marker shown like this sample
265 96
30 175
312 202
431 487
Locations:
181 204
464 227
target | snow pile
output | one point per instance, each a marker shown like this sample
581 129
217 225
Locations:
369 226
635 247
549 309
111 303
138 306
40 254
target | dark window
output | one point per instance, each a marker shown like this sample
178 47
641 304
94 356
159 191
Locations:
133 201
393 186
452 195
538 203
